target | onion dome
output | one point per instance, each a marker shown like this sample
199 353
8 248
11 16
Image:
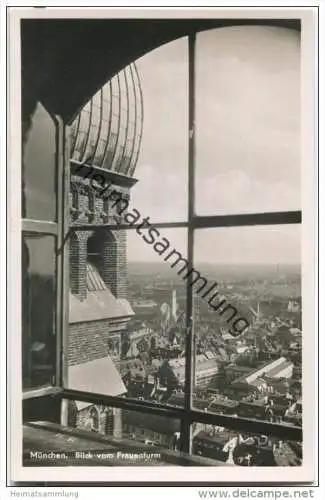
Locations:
107 132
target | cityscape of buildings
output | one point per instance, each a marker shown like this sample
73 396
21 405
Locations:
127 338
256 376
127 317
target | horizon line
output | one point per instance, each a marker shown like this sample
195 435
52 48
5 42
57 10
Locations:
297 264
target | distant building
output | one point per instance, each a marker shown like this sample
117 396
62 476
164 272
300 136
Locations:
233 448
252 409
224 406
294 413
293 306
268 408
297 372
151 429
136 340
234 371
172 372
277 385
288 454
145 308
278 368
212 445
198 403
241 349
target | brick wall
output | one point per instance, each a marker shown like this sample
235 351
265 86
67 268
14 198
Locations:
88 207
78 259
88 341
115 263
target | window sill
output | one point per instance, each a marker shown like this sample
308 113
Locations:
41 391
41 438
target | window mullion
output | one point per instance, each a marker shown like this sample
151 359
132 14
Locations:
249 219
62 245
115 227
186 437
63 166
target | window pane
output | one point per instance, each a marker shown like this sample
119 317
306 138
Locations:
244 449
247 120
38 307
248 328
127 312
39 166
162 167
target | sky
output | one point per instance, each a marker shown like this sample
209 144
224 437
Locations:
247 142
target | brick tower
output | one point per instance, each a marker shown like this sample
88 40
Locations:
105 138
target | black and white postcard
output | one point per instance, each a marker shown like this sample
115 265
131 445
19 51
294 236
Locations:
162 245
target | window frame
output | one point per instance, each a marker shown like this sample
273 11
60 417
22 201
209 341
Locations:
188 414
59 229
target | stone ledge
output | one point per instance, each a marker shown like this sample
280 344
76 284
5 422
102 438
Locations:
45 437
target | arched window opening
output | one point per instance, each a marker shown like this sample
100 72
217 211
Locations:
101 261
